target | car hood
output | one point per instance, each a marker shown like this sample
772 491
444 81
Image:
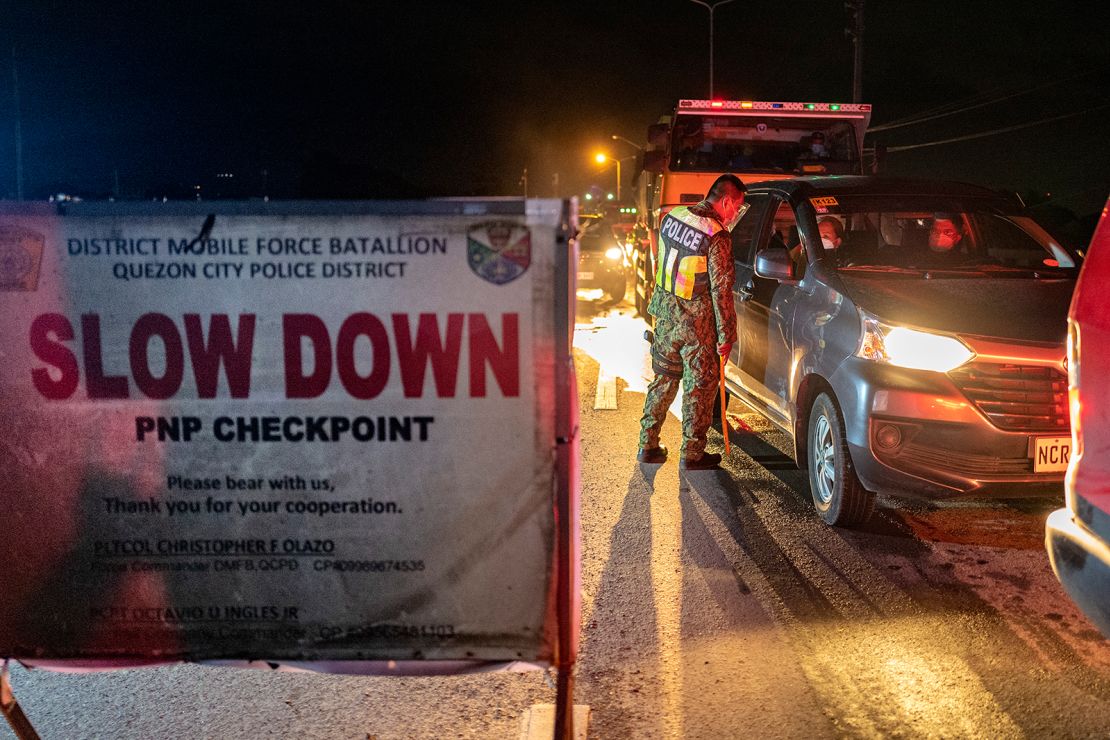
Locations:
1021 309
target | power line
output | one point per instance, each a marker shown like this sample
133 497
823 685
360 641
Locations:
1102 186
950 105
995 132
941 113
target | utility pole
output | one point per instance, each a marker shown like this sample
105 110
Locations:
711 8
18 133
855 32
555 185
524 182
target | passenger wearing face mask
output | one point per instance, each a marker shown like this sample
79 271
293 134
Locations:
832 236
832 232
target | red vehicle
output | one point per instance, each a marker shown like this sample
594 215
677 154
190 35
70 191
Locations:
1078 536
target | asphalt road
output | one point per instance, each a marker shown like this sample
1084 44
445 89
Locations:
715 604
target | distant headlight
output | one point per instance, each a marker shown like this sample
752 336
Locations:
614 253
910 348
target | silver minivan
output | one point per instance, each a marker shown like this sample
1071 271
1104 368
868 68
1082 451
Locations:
909 335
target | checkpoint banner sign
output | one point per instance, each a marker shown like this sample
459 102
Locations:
300 432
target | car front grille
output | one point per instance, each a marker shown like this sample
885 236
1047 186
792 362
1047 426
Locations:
1017 398
964 463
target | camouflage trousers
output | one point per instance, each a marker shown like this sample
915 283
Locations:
695 352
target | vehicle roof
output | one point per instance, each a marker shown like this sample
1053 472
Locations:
805 187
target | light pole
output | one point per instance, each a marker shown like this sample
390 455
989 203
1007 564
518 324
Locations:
855 31
617 137
711 8
602 158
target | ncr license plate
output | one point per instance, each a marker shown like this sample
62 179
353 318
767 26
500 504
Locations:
585 276
1050 454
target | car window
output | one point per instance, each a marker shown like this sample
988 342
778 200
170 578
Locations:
935 233
784 228
748 229
1009 242
714 143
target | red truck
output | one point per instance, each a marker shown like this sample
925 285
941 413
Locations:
1078 536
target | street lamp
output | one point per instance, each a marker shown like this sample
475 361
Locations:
711 8
602 158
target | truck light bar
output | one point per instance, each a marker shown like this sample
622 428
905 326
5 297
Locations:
760 105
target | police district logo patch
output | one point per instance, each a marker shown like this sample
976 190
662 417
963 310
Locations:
499 251
20 256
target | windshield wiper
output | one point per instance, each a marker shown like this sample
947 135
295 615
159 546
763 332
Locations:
891 269
1002 271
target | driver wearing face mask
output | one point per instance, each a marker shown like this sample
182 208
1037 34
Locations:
832 236
946 248
945 233
817 148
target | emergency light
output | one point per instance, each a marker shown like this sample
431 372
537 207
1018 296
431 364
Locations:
695 106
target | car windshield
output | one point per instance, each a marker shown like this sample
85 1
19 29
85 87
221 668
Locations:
596 235
937 235
701 143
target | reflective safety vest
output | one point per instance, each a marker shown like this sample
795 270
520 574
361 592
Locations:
682 264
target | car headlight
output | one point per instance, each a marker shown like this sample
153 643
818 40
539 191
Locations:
614 253
910 348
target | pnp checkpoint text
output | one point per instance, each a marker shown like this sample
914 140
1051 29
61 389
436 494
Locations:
285 428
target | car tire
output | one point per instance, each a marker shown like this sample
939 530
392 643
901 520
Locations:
617 289
646 313
642 264
839 497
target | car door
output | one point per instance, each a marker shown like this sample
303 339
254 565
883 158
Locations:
764 316
749 353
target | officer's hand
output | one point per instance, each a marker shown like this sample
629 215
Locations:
724 350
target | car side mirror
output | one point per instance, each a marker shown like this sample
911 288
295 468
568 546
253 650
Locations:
657 134
774 263
654 161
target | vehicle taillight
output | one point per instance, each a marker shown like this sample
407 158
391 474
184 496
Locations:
1074 405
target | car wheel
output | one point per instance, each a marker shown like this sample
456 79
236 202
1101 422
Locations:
646 313
638 300
617 289
838 495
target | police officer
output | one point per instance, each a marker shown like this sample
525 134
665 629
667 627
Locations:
695 320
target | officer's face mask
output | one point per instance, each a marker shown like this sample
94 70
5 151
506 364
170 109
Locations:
818 148
827 243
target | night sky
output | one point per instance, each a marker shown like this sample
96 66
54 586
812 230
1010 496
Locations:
367 99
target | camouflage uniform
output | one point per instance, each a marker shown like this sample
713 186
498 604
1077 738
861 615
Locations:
694 313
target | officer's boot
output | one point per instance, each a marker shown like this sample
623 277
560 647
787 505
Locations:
707 461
